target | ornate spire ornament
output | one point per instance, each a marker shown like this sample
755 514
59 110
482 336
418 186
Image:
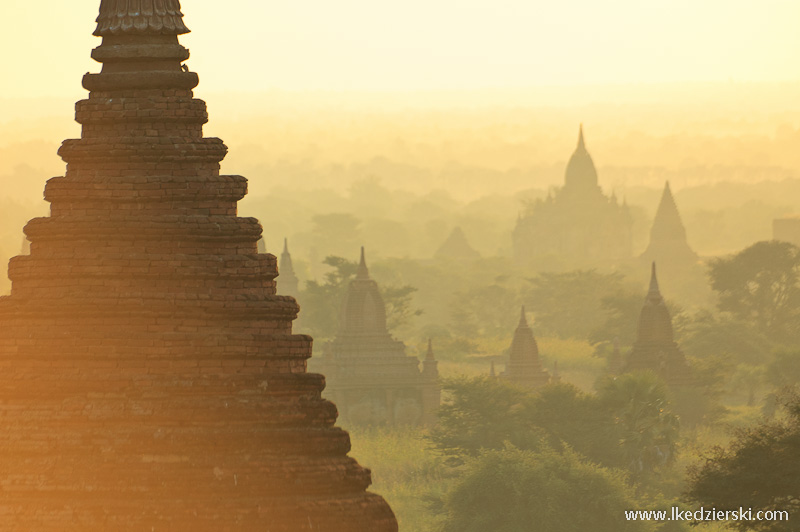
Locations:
149 376
137 17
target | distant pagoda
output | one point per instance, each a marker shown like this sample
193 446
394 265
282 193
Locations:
149 377
578 226
524 367
288 284
370 377
655 348
456 247
668 245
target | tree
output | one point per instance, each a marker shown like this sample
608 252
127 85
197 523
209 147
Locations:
628 425
491 310
761 284
784 369
725 336
398 305
570 304
748 379
322 301
513 490
622 311
483 413
336 233
648 431
759 469
578 419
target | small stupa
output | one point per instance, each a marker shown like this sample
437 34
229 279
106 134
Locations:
655 348
524 367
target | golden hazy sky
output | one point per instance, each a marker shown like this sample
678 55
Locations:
425 44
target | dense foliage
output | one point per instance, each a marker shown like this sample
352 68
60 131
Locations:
760 469
511 490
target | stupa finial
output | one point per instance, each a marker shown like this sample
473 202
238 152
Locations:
653 281
429 356
523 321
362 272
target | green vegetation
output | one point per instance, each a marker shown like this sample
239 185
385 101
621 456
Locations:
759 469
510 490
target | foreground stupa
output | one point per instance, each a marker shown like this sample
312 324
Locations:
149 377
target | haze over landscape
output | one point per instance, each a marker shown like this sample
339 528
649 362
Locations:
444 138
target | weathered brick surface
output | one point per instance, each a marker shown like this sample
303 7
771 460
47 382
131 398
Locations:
149 376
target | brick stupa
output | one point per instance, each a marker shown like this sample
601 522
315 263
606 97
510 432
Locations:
150 379
655 348
371 378
524 367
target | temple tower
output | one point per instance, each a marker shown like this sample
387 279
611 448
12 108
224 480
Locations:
576 227
288 284
370 377
655 348
524 367
580 177
149 376
668 245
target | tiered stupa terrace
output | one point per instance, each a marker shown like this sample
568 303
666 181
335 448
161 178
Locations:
149 377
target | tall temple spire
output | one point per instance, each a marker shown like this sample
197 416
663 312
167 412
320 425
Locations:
149 375
581 142
523 321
